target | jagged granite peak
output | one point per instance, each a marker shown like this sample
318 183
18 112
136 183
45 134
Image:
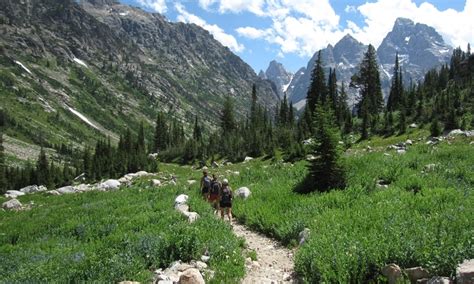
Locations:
419 47
100 2
277 73
262 75
344 56
114 66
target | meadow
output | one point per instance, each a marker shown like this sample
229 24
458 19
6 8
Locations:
113 236
423 218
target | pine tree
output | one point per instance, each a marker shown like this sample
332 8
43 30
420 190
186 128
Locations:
318 90
3 177
284 112
161 138
43 175
327 170
395 96
388 128
197 131
228 123
435 127
367 81
402 122
332 91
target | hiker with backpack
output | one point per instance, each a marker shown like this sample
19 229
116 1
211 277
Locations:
215 192
225 202
205 184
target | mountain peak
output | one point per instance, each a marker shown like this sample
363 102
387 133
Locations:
277 73
403 22
100 2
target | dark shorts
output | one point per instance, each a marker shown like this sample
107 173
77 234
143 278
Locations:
225 204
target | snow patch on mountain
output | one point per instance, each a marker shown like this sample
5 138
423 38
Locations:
23 66
284 88
80 62
83 118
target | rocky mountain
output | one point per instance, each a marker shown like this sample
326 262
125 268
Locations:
420 48
345 57
73 69
277 74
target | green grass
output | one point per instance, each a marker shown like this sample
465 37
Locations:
355 232
112 236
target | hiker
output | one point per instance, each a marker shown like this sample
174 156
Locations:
205 184
225 203
214 194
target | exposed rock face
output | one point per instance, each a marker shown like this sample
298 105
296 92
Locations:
277 74
12 204
191 276
465 272
419 47
416 273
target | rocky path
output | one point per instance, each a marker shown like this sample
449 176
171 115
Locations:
274 262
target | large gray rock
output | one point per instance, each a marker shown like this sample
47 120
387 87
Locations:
392 272
416 273
12 204
181 199
66 190
111 184
248 159
465 272
243 192
192 216
439 280
13 194
33 189
191 276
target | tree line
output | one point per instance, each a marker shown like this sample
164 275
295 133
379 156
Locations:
444 100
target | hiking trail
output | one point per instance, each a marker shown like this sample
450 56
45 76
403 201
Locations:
274 262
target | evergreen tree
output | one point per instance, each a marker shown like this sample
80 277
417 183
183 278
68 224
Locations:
228 123
402 122
283 119
394 98
327 170
435 127
332 91
367 81
3 177
43 175
254 105
388 129
318 89
197 131
161 138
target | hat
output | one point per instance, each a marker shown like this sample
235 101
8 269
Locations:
225 181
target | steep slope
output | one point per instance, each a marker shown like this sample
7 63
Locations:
72 70
277 74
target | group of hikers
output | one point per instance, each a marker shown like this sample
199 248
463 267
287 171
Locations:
218 194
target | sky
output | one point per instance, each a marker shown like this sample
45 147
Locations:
291 31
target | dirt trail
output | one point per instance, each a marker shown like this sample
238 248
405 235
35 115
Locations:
274 262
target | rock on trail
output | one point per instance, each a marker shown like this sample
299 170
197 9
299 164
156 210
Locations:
274 262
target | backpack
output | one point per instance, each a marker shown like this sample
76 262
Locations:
206 185
226 196
216 188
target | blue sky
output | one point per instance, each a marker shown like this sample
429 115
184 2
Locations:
290 31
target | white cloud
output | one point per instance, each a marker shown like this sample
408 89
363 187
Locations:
253 33
456 27
350 9
156 5
218 33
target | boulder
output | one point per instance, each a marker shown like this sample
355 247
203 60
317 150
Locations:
191 276
310 157
12 204
53 192
465 272
392 272
303 236
33 189
382 183
416 273
191 182
243 192
141 174
469 133
155 182
66 190
82 188
308 141
409 142
199 265
368 149
111 184
401 151
153 156
413 125
248 159
205 258
456 132
183 208
181 199
192 216
215 164
13 193
439 280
